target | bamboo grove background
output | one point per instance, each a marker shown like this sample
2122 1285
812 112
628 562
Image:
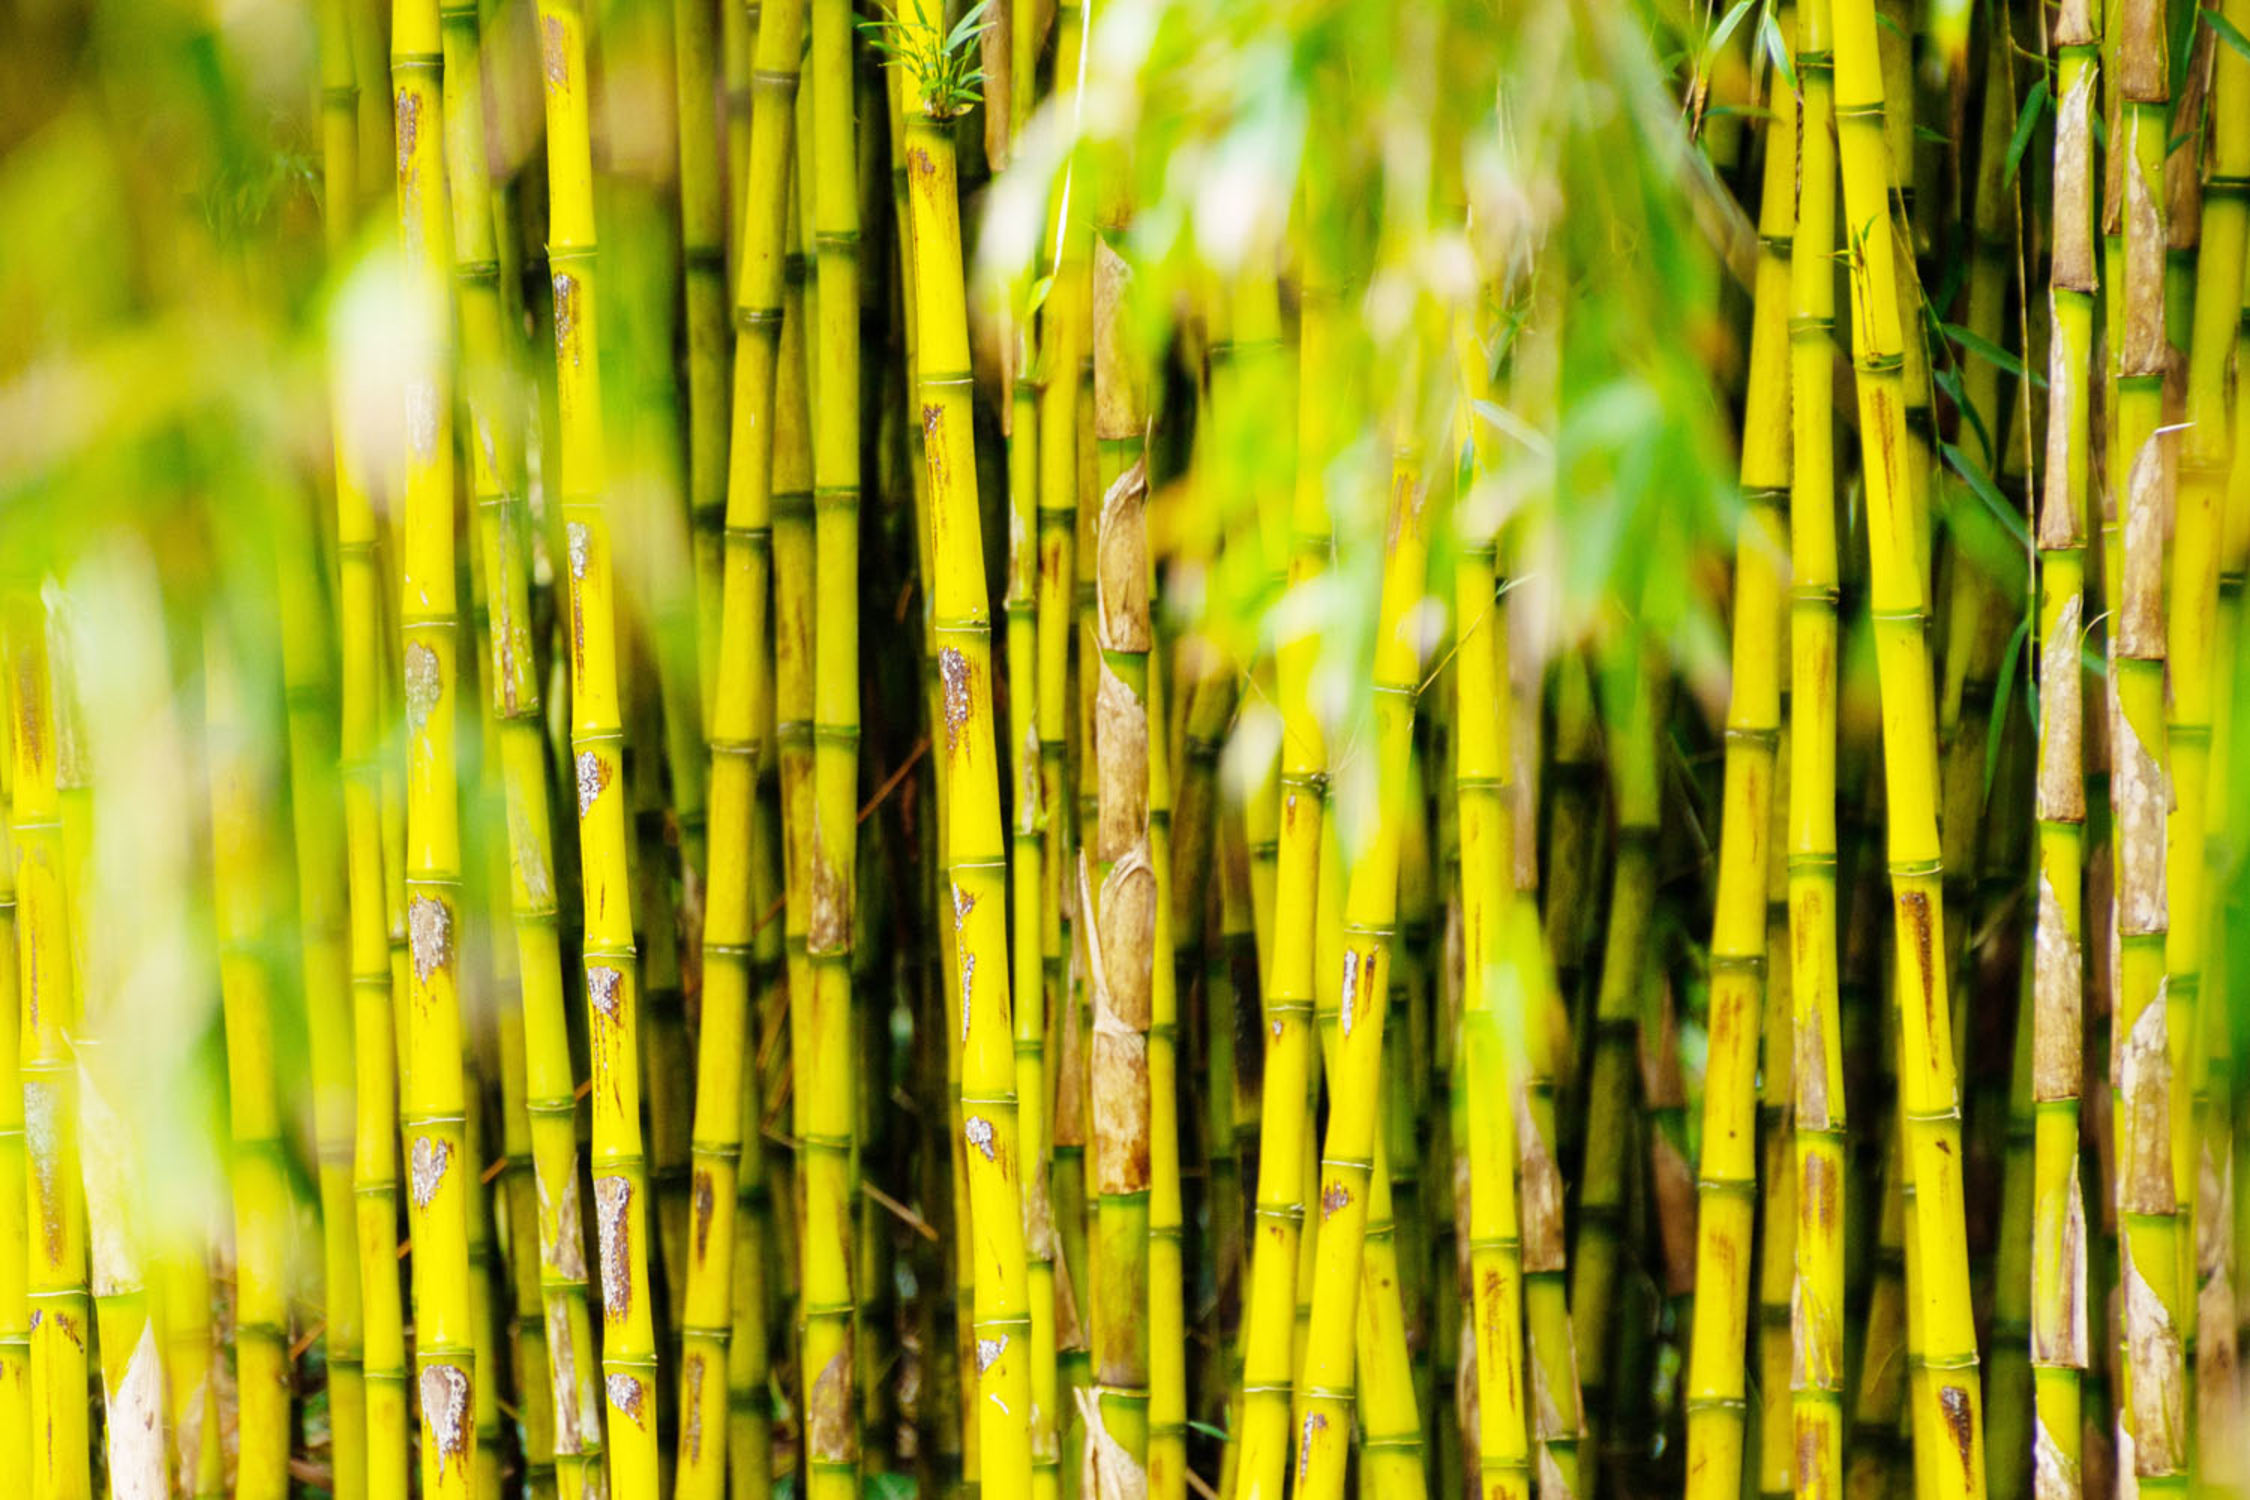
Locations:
1108 749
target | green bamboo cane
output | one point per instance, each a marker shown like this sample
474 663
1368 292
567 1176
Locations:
696 66
316 805
316 820
2059 1340
1612 1089
2147 1071
244 903
2192 642
1064 328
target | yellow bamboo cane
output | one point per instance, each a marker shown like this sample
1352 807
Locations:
1490 1042
975 850
55 1278
1284 1124
825 1059
316 804
432 1096
1819 1124
1947 1417
1369 928
536 1010
244 902
15 1236
726 1087
1727 1172
628 1350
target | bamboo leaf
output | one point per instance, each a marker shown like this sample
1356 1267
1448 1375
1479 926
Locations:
1725 29
2002 693
2027 120
1972 342
1218 1433
2227 32
1769 33
1949 382
969 27
1934 137
1980 483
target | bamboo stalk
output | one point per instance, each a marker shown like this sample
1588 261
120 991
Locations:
55 1277
316 807
1898 596
1482 770
15 1229
2147 1071
825 1049
1280 1246
1727 1172
1611 1092
1349 1148
1817 1072
696 69
244 903
2192 645
315 817
2059 1346
1064 328
628 1352
974 845
374 1044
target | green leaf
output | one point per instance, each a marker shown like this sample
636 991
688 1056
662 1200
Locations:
1983 348
890 1486
1220 1433
1934 137
1985 490
1883 18
2227 32
1725 29
2002 691
1769 32
968 27
2027 120
1948 382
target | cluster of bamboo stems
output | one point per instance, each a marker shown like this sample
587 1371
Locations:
702 1011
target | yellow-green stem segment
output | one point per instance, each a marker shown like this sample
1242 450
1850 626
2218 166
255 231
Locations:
620 1173
1948 1399
974 842
1727 1172
1325 1394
